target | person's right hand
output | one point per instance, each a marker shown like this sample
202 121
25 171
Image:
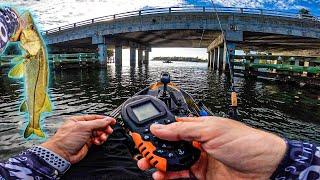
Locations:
231 150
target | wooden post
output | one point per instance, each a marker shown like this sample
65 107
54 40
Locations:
305 65
276 62
209 59
79 59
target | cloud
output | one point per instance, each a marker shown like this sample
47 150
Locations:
54 13
272 4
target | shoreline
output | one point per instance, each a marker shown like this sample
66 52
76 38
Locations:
182 61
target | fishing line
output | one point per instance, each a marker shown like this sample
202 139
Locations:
201 37
233 111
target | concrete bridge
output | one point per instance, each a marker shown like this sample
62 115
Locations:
244 29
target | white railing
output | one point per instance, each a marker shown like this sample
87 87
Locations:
191 9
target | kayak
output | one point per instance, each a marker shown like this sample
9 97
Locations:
179 102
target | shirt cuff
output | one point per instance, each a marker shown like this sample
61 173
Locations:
53 159
299 156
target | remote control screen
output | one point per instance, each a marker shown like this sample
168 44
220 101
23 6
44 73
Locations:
145 111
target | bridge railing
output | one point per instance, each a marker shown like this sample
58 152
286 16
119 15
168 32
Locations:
195 9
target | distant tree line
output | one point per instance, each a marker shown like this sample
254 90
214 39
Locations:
189 59
304 11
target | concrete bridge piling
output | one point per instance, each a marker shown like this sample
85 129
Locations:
146 56
140 56
118 55
132 56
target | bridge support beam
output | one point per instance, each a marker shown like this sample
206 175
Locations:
100 41
220 58
102 54
132 56
211 59
140 57
229 52
118 55
146 55
216 60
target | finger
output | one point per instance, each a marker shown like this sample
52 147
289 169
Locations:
97 142
87 117
103 137
189 119
108 130
143 164
158 175
98 124
178 174
81 153
188 131
97 133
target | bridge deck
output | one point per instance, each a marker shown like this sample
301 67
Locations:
255 29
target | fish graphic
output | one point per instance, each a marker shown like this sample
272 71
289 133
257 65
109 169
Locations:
33 67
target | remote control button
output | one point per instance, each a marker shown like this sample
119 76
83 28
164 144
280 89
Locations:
146 137
166 145
168 121
160 151
180 152
146 130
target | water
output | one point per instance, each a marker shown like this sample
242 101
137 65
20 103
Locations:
283 109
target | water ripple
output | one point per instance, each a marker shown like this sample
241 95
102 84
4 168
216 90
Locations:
289 111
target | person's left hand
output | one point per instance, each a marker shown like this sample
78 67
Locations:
75 136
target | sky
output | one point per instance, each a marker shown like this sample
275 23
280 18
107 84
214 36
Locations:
54 13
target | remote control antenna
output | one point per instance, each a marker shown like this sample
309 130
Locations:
165 79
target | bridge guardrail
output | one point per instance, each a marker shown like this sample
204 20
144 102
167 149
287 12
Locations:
190 9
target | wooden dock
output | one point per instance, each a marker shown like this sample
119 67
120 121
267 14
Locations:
298 69
63 61
78 60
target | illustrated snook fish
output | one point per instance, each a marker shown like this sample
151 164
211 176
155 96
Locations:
33 66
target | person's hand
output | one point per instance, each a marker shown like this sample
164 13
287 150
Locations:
230 149
73 139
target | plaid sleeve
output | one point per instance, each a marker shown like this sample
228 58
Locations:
302 161
27 165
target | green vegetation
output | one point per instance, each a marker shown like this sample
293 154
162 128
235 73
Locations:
304 11
110 53
189 59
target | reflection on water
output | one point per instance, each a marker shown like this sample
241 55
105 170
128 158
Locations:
283 109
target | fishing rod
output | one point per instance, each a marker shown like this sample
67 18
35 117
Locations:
233 112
